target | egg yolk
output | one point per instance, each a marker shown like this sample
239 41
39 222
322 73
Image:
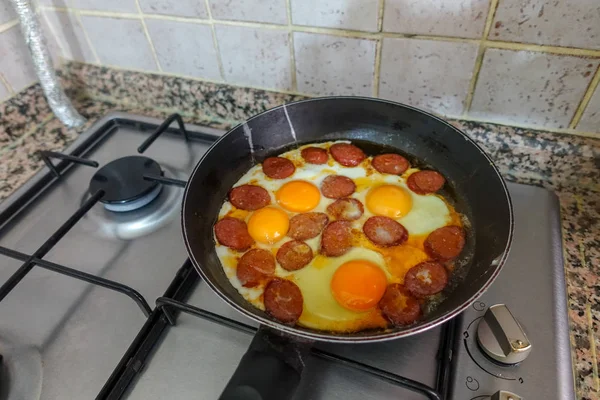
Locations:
298 196
389 201
358 285
268 225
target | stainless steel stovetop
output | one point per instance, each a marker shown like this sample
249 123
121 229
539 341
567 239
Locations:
64 338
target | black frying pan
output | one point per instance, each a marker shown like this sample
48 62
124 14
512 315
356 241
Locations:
271 368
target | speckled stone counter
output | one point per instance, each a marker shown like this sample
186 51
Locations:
569 165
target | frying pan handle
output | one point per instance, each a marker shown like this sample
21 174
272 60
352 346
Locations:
270 369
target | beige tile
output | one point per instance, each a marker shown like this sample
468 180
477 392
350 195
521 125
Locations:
107 36
15 61
180 8
560 23
128 6
459 18
333 65
70 36
590 120
255 57
358 15
411 73
271 11
530 88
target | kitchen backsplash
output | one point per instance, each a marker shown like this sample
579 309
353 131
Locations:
531 63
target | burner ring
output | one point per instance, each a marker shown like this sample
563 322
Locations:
123 179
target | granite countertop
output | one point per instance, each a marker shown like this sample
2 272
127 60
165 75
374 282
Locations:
568 165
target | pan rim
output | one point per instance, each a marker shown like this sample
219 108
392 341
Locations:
333 337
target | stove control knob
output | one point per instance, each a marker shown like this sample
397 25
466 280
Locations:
504 395
501 337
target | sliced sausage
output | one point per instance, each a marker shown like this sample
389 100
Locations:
348 209
314 155
233 233
249 197
347 154
445 243
399 306
425 182
336 239
384 231
307 226
294 255
255 266
283 300
393 164
337 186
426 278
278 167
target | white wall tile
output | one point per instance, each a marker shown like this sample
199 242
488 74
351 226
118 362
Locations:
459 18
7 13
428 74
70 36
53 47
15 60
4 93
181 8
561 23
255 57
590 120
184 48
359 15
107 36
53 3
105 5
530 88
271 11
333 65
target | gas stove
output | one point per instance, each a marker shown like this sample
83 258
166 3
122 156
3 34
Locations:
98 299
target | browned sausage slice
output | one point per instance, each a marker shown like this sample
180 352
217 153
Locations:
393 164
348 209
278 167
336 239
426 278
233 233
294 255
347 154
399 306
255 266
249 197
307 226
445 243
337 186
314 155
283 300
385 231
425 182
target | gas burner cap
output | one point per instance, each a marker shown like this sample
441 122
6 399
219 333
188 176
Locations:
125 188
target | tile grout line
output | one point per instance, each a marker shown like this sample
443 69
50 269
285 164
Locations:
215 41
288 6
87 37
378 49
585 100
592 339
9 87
7 25
480 54
44 15
148 38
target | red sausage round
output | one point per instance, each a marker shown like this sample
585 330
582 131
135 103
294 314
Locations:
385 231
337 186
233 233
348 209
393 164
283 300
336 239
249 197
425 182
426 278
314 155
399 306
255 266
347 154
445 243
278 167
294 255
307 226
